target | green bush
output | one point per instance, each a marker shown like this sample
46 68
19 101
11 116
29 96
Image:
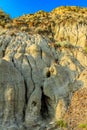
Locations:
65 44
61 123
86 50
83 126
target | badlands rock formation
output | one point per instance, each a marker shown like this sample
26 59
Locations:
41 81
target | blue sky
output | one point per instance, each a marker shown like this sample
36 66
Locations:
19 7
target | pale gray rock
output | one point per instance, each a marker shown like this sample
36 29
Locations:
12 91
37 81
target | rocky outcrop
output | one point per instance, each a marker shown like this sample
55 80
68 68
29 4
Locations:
62 24
37 80
12 91
43 77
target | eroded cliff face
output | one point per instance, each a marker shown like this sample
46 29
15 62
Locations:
42 81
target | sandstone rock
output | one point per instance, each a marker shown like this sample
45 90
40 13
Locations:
60 110
38 79
44 87
77 112
12 91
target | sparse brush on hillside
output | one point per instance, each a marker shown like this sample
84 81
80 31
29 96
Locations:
4 18
70 8
43 70
46 23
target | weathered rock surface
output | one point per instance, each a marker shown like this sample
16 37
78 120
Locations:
62 24
12 94
41 81
37 81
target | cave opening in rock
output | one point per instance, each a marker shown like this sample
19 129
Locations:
34 103
44 105
48 74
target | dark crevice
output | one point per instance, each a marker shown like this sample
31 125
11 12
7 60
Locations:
77 35
31 72
26 100
3 53
44 105
34 103
41 53
48 74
